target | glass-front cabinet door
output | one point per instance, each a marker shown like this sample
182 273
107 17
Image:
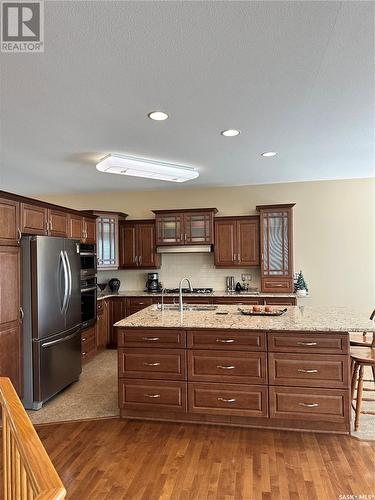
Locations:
198 228
276 247
107 241
185 227
169 229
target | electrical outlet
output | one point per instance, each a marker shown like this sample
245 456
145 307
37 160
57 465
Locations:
246 277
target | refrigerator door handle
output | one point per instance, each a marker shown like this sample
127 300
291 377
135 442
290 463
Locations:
69 278
66 281
58 341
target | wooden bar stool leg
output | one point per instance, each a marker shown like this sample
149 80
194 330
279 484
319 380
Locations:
354 378
373 372
359 398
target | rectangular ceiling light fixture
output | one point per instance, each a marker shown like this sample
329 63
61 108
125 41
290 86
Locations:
141 167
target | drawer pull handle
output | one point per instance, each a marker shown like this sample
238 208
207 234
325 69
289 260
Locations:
226 367
224 400
312 370
84 339
153 396
152 364
151 339
307 343
225 341
309 405
84 353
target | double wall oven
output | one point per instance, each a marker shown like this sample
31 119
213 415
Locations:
88 258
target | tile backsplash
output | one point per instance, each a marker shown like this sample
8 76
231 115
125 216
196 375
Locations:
198 267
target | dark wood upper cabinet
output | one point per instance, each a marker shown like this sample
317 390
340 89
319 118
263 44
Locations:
128 245
146 245
34 219
169 228
89 230
276 237
137 245
236 241
198 228
225 242
75 227
9 222
10 314
248 241
184 227
57 223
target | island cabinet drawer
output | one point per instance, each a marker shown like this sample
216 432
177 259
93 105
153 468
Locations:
147 395
332 343
228 399
152 337
316 370
309 404
240 367
165 364
230 340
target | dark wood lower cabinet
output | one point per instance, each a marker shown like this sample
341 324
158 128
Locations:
10 315
157 395
323 405
88 344
235 377
10 355
102 337
116 311
228 399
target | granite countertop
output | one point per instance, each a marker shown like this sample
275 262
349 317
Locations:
297 318
219 293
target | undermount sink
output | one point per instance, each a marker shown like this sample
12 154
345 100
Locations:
187 307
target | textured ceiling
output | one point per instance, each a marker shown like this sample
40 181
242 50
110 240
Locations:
294 77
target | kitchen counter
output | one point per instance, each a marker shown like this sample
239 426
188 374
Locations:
297 318
219 293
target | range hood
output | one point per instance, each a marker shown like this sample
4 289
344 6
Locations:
185 249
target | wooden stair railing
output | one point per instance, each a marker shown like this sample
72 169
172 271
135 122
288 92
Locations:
28 471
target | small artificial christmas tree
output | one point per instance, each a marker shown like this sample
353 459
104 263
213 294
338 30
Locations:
301 283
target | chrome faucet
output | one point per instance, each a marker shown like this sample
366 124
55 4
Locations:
181 307
162 298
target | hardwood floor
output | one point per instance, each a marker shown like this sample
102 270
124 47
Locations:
114 459
119 459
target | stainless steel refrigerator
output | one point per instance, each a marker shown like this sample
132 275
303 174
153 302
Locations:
52 317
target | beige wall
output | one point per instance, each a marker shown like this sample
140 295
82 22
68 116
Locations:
334 231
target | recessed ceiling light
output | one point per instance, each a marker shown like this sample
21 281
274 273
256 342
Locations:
230 132
158 115
269 153
142 167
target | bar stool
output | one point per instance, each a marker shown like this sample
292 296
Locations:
362 355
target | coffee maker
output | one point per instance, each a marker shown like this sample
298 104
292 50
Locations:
152 283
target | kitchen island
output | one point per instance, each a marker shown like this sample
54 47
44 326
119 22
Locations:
221 367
